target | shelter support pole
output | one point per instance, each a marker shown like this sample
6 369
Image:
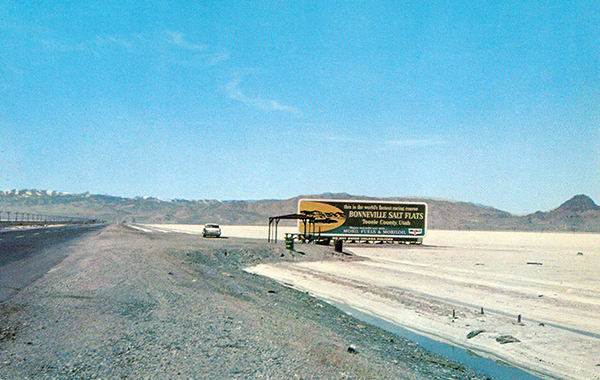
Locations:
269 237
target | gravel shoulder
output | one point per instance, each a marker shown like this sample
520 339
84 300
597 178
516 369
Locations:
131 305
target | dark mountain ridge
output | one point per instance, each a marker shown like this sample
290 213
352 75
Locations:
579 213
578 204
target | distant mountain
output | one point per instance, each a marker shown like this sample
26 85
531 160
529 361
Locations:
579 213
578 204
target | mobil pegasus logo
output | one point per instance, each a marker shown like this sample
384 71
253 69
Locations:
326 216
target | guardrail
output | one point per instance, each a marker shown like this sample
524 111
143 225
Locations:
18 218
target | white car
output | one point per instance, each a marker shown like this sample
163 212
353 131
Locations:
212 230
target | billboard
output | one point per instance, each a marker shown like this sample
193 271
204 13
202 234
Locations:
364 218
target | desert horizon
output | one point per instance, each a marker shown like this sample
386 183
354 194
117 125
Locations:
578 213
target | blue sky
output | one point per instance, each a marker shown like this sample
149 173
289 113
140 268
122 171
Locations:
492 102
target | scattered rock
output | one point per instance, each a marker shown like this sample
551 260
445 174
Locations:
272 292
541 324
474 333
507 339
170 273
352 349
534 263
579 253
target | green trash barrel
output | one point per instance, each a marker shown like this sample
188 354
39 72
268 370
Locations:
289 244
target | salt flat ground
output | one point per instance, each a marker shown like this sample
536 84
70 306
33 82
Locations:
252 232
540 276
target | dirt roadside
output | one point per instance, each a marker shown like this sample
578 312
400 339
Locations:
132 305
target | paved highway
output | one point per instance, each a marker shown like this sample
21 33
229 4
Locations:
27 254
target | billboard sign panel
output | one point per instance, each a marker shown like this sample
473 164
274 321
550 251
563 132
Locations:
364 218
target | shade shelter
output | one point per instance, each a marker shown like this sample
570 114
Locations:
309 223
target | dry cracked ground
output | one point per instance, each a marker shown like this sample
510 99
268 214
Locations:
131 305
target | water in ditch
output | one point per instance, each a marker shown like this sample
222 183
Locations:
498 371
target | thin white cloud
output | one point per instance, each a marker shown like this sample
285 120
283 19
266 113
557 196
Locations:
122 42
94 45
233 91
62 47
171 45
416 143
178 39
342 138
408 142
217 58
197 54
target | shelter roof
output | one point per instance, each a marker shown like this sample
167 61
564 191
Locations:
293 216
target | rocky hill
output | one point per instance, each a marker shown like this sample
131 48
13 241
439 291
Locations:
577 214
